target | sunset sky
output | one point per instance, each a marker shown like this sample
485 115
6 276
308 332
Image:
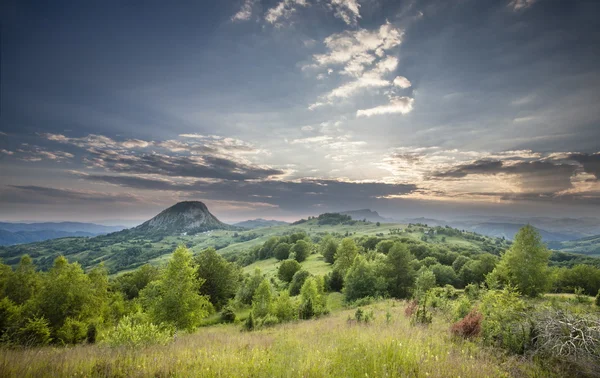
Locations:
114 110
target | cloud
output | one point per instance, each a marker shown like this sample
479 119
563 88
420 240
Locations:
518 5
590 162
347 10
32 153
6 152
292 195
40 194
245 11
402 82
283 11
397 105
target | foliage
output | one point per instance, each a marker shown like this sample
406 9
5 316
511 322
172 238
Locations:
469 326
424 282
35 332
249 324
345 255
399 273
287 269
220 279
282 251
362 280
297 282
505 322
301 250
262 302
313 301
133 332
525 264
249 286
422 315
174 298
72 332
132 283
284 308
328 248
462 307
227 315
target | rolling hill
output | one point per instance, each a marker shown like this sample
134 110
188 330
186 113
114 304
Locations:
259 222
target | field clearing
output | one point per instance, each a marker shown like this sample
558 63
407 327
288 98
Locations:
327 347
314 264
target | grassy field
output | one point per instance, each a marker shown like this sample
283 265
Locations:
315 264
328 347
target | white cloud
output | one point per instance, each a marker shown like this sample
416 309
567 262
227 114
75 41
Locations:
402 82
307 128
347 10
284 10
517 5
402 105
245 11
6 152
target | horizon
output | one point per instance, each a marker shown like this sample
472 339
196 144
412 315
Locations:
288 109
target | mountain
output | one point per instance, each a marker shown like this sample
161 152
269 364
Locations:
22 237
259 222
368 214
188 217
586 246
509 230
88 228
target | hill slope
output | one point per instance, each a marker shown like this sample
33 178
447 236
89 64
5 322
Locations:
587 246
22 237
259 222
89 228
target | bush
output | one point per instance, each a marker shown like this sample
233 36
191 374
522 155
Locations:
462 307
284 307
297 282
505 321
469 326
131 332
363 316
411 308
228 315
35 332
92 333
72 332
581 297
267 321
472 291
249 324
422 315
287 269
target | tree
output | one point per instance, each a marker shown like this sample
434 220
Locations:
297 281
384 246
175 298
362 281
282 251
262 302
221 278
525 264
23 282
287 269
312 298
328 248
444 275
248 288
345 255
301 250
399 272
284 307
425 281
132 283
268 248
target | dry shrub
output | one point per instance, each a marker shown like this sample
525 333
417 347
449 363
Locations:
469 326
411 308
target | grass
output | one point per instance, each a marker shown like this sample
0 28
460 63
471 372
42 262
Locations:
326 347
314 264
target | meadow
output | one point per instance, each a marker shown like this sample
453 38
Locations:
330 346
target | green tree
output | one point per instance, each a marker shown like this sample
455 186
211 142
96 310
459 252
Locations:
346 253
297 281
424 282
282 251
268 248
384 246
525 264
132 283
287 269
444 275
399 272
175 298
221 278
284 307
312 298
362 281
249 286
301 250
24 282
262 302
328 248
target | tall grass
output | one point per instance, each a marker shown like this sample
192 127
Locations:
327 347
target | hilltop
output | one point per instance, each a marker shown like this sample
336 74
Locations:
259 222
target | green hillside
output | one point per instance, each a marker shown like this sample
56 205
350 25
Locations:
589 246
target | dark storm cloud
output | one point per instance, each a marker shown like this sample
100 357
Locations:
28 194
285 194
590 163
179 166
494 167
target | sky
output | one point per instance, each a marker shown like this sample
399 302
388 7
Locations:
115 110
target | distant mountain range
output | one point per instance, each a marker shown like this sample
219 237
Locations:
21 233
259 222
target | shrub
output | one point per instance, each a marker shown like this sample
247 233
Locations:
91 333
228 315
249 324
411 308
268 321
297 282
462 307
469 326
422 315
284 307
472 291
132 332
581 297
287 269
35 332
505 321
72 332
306 309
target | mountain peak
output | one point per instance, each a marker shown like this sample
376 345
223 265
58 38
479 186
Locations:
183 217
